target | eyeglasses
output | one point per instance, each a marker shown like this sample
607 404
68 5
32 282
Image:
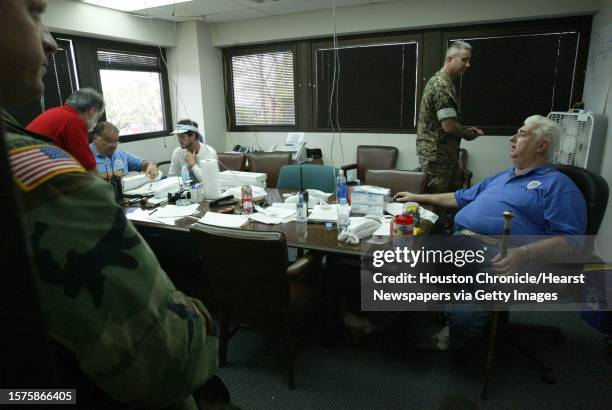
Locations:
111 141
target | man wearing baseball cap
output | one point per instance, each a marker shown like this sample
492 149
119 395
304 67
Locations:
192 149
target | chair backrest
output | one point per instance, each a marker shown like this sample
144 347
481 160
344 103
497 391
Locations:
233 161
247 272
396 180
321 177
164 167
595 191
269 163
375 157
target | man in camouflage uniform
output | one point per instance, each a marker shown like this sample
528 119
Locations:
439 132
103 295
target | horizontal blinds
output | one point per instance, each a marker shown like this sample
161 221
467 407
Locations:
515 76
263 86
375 86
119 60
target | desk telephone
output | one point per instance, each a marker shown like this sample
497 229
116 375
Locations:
358 229
294 144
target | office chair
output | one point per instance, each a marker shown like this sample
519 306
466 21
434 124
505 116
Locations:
397 180
233 161
321 177
164 166
254 285
372 157
464 180
269 163
595 190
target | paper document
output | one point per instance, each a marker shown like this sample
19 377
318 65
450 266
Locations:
174 211
324 214
396 208
273 215
224 220
158 188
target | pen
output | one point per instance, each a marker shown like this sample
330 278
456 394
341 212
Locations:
153 211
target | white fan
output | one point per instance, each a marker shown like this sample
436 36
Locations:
582 139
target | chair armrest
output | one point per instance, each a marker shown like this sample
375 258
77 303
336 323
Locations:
466 178
299 268
348 167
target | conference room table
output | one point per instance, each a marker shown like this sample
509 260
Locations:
314 237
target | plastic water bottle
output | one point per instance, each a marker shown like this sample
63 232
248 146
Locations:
301 209
185 178
343 214
340 186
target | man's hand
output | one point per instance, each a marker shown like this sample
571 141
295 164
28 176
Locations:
515 259
404 197
190 158
151 171
474 131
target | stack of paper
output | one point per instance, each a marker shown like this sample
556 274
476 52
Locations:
174 211
273 215
158 188
224 220
322 214
396 208
234 178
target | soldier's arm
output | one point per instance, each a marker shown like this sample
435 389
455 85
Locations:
452 126
107 300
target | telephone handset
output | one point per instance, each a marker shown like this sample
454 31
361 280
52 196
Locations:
359 228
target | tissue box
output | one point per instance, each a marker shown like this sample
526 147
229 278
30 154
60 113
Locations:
228 179
368 199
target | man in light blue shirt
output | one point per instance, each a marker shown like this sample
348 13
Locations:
110 160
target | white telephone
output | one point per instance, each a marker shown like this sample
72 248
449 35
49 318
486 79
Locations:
358 229
294 144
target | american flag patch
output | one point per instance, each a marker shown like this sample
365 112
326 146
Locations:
35 164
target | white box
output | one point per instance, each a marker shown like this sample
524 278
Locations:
367 209
228 179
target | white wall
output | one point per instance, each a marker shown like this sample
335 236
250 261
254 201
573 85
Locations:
196 81
157 149
71 17
399 15
598 91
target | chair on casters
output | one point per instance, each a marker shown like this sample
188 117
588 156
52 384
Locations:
321 177
164 166
254 285
269 163
372 157
233 161
595 190
397 181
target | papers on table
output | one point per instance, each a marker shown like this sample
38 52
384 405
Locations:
224 220
258 192
324 213
136 180
158 188
396 208
174 211
273 215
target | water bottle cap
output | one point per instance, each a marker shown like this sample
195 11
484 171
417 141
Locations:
342 201
328 225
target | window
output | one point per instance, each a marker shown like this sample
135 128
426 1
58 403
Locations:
373 83
367 84
518 73
60 81
263 89
133 91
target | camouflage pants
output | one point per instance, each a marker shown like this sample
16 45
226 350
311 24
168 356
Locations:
441 179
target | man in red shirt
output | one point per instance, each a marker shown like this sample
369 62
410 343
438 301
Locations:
69 124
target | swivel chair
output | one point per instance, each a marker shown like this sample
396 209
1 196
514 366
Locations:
397 181
595 190
269 163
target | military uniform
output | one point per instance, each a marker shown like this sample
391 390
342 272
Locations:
103 294
437 150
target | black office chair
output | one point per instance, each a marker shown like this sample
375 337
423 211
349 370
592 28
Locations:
595 191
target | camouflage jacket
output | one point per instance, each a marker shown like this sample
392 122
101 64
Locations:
103 294
434 146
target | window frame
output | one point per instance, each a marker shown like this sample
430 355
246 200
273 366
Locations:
230 114
582 24
165 92
432 45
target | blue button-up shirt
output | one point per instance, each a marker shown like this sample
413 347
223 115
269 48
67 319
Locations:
121 161
544 202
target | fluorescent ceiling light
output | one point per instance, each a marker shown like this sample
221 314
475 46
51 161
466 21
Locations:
132 5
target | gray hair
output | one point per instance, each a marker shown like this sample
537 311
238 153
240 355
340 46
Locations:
101 127
86 98
545 130
456 47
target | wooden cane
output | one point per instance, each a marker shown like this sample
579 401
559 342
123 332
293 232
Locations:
508 215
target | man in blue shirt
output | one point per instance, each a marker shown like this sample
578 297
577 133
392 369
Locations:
544 202
110 160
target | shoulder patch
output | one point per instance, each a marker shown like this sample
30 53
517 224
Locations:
34 164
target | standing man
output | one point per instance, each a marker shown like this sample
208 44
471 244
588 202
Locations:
68 125
192 149
107 304
111 161
439 131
